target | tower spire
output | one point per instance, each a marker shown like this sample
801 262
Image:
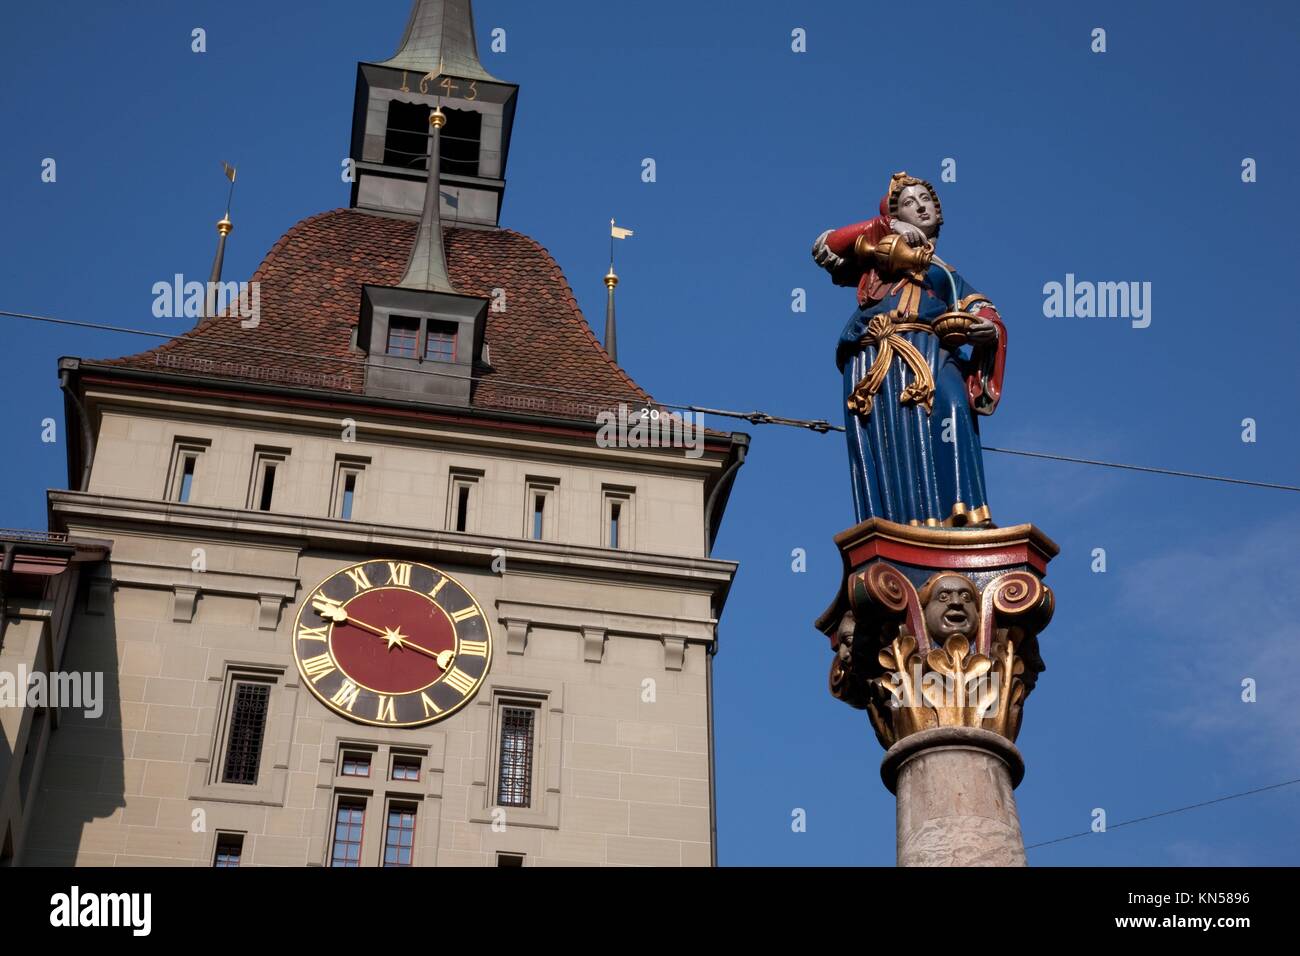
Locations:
440 35
611 280
611 334
427 267
224 228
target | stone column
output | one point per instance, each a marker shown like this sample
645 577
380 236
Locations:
955 803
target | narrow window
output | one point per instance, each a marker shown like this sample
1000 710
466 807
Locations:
403 333
347 486
349 821
188 462
230 848
461 499
399 840
510 859
406 768
356 765
515 773
268 487
462 507
267 465
618 518
184 465
349 491
539 516
440 343
246 728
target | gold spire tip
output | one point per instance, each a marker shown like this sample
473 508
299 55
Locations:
224 226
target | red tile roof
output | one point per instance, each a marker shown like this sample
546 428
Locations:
544 357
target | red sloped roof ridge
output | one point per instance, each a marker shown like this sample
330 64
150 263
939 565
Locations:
544 357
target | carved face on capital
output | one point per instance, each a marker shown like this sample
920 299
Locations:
917 206
951 606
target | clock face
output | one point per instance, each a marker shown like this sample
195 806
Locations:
392 643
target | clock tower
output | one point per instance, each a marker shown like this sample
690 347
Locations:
365 580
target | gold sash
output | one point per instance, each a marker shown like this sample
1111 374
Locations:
883 331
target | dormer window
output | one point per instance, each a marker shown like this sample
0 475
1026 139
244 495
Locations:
403 336
404 331
440 346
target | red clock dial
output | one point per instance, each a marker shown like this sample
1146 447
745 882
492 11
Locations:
394 643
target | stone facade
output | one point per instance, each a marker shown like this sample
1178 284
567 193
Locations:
611 645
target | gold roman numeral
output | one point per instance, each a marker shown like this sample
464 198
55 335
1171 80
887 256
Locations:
473 648
359 579
399 574
314 633
386 709
317 667
437 587
461 681
464 614
324 605
429 706
346 696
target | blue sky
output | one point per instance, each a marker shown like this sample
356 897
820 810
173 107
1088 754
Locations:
1120 166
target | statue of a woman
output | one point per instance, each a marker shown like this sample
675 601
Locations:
921 358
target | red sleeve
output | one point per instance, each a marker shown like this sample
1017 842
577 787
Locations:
984 383
852 272
841 240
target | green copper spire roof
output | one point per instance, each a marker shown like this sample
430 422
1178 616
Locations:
439 36
427 267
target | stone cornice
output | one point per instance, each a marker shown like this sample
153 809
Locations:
107 513
388 425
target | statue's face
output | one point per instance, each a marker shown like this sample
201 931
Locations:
952 609
916 206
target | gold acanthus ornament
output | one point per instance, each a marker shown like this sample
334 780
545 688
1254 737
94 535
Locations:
978 677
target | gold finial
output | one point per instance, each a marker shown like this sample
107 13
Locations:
611 279
224 226
437 119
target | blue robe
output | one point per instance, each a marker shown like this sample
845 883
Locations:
902 468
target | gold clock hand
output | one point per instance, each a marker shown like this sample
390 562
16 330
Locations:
442 657
394 637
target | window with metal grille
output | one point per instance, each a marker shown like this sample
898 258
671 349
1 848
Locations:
399 840
440 344
403 333
244 734
230 848
349 821
515 774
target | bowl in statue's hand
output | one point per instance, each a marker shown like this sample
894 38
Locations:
953 329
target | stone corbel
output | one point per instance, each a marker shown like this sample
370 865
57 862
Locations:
516 635
674 652
268 611
184 600
593 644
99 596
